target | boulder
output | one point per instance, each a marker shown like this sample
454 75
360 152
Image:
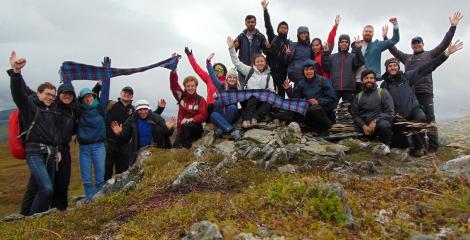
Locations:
204 230
289 168
195 173
258 135
339 190
456 167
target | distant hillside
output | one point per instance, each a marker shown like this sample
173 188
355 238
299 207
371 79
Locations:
5 114
3 130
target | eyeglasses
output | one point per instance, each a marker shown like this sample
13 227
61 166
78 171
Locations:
219 69
50 95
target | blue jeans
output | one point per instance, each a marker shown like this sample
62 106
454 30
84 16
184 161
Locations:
92 154
42 174
223 118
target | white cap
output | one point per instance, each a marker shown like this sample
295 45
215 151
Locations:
140 104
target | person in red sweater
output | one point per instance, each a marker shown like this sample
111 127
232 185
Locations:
192 110
317 48
220 71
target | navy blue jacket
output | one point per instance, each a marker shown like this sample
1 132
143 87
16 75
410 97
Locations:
247 50
319 88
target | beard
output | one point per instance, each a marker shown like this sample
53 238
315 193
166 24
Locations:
282 35
369 86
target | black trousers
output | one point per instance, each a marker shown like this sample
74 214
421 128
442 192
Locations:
255 109
189 133
383 132
278 79
427 104
317 118
117 158
62 180
416 141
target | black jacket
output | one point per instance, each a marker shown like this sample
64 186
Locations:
369 106
402 86
342 66
67 115
276 55
45 130
160 133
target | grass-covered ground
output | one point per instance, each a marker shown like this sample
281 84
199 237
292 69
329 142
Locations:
290 205
14 176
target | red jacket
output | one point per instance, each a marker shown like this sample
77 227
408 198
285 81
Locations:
317 57
211 89
191 106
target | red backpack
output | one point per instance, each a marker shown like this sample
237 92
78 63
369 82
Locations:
14 134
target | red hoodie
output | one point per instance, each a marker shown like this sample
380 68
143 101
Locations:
191 106
211 89
317 57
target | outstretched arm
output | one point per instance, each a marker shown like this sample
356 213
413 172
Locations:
175 87
104 97
386 44
197 69
244 69
332 35
447 40
210 70
17 83
267 21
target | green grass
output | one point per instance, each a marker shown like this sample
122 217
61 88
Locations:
291 205
14 176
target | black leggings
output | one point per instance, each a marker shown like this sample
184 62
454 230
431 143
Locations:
255 109
189 133
427 104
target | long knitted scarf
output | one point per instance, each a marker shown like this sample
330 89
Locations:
77 71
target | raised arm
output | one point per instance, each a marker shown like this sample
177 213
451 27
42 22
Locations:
197 69
447 40
332 34
106 85
401 56
358 60
17 83
386 44
244 69
175 87
267 21
210 70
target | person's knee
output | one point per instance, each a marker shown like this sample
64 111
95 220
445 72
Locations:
384 125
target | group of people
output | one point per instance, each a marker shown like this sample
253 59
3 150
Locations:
109 133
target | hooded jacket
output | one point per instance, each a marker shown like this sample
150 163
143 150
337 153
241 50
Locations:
67 115
258 79
45 130
247 50
414 61
319 88
276 55
317 57
402 86
372 106
300 51
342 65
190 106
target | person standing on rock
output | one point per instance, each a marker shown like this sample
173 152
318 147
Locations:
373 110
276 55
317 48
258 76
117 152
144 128
221 71
401 86
224 116
91 135
249 43
342 65
372 50
192 111
419 57
320 94
41 135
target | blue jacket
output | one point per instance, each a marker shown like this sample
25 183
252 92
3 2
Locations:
247 50
301 51
373 55
91 121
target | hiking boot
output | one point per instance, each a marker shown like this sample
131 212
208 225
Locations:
417 152
235 134
254 122
246 124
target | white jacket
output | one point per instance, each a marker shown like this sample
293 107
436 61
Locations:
258 79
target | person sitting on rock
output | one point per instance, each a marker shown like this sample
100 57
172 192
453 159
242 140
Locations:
257 76
320 94
401 86
224 116
144 128
373 110
192 111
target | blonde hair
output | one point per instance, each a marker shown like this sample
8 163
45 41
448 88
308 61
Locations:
189 79
239 86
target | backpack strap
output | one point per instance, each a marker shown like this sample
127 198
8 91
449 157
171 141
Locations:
267 81
28 131
248 76
379 93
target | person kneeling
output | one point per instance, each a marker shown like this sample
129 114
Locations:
373 110
320 94
144 128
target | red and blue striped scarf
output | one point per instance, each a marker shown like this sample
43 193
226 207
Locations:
231 97
77 71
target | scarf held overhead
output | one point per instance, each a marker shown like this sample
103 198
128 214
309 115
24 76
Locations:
232 97
77 71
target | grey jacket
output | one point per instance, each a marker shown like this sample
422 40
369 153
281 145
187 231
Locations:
371 107
424 86
342 66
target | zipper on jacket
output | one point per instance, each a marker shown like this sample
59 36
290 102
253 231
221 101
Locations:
341 71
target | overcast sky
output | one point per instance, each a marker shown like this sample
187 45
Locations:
140 32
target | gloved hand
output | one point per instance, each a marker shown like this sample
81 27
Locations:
188 51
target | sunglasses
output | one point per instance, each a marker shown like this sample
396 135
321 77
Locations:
219 69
